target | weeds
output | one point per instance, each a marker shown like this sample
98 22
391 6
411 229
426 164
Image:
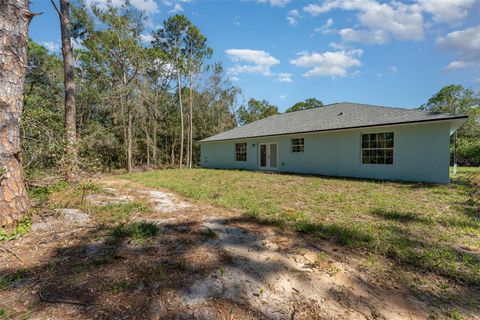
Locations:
7 280
21 228
415 225
210 234
116 212
137 231
43 193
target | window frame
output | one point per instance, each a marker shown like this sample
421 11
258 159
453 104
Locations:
240 152
301 146
376 142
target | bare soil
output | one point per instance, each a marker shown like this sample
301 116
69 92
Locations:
205 263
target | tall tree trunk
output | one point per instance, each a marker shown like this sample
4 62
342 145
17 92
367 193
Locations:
187 164
129 140
190 135
147 139
172 156
181 116
154 144
69 83
14 20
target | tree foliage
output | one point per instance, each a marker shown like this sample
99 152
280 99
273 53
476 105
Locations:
456 99
304 105
255 110
127 97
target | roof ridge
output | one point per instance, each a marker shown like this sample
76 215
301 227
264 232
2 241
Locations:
354 115
354 103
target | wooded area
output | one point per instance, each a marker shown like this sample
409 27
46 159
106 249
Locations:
130 95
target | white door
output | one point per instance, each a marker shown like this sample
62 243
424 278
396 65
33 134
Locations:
268 156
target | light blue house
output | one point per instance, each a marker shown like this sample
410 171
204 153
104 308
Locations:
341 139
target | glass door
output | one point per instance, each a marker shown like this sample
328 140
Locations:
263 156
268 156
273 156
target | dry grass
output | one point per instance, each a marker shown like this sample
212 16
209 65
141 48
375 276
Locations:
434 229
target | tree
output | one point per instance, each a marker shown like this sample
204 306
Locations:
197 51
255 110
456 99
171 40
15 17
126 97
307 104
42 125
69 84
112 58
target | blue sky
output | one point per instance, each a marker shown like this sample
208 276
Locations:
370 51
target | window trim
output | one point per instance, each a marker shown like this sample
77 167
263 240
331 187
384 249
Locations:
384 148
297 145
235 152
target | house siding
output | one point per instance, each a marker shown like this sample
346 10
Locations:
421 153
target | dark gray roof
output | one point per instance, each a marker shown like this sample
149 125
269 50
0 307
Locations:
335 116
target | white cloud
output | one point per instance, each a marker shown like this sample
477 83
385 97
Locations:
293 16
465 44
396 19
146 38
364 36
176 8
456 65
325 29
51 46
264 70
334 64
275 3
234 78
338 46
149 6
258 61
284 77
447 11
379 21
282 97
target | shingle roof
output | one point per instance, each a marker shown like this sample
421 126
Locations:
335 116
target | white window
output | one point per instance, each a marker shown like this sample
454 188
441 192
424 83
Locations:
241 151
297 145
377 148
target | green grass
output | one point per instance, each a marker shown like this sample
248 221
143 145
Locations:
7 280
19 229
417 225
137 231
116 212
73 196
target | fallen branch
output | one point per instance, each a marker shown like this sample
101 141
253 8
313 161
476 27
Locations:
49 300
11 252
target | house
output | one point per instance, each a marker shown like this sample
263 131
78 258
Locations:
341 139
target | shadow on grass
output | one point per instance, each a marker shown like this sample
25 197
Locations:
403 247
136 270
401 216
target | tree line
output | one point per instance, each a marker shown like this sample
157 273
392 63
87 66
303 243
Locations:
137 104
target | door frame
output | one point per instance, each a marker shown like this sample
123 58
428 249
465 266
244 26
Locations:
268 167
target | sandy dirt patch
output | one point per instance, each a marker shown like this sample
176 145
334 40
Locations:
204 263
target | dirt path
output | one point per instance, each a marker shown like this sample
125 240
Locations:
205 263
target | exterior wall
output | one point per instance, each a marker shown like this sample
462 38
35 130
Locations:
421 153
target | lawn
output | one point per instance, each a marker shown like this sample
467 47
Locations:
431 228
